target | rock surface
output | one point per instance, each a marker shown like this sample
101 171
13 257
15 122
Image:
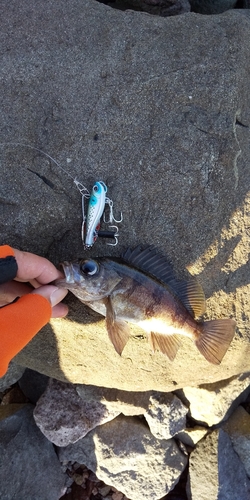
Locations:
66 413
29 467
13 374
166 415
238 428
63 417
141 102
213 403
124 453
215 470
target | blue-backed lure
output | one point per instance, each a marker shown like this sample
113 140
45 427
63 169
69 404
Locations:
92 222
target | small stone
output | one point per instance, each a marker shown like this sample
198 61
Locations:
166 415
191 436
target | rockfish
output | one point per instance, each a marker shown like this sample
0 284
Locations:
140 287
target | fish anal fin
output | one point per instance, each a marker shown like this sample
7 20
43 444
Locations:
167 344
215 339
118 331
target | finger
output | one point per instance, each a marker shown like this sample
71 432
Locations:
59 311
11 290
31 266
54 295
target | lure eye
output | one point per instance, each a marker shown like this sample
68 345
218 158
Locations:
89 267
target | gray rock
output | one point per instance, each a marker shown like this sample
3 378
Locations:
124 454
29 467
33 384
166 415
215 471
238 428
213 403
212 6
192 435
164 412
159 109
13 374
128 403
158 7
63 417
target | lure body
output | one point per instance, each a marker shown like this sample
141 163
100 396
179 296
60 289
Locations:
95 210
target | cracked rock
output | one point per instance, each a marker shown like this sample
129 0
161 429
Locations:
124 454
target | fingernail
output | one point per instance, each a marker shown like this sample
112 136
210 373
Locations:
57 295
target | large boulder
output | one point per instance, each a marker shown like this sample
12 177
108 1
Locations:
159 109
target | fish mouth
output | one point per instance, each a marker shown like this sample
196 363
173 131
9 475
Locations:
68 272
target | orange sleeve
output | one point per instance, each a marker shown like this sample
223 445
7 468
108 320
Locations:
5 251
19 323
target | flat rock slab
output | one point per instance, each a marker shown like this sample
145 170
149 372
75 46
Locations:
158 108
124 454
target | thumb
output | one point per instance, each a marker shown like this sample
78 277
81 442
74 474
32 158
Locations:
54 295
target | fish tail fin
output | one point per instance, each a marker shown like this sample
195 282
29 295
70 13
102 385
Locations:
215 339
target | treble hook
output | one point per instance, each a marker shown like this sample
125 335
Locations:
110 234
111 214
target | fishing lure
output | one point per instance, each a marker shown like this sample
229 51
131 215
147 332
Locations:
96 206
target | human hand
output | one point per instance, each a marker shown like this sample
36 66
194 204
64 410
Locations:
33 276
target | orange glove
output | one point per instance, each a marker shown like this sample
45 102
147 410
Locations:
20 320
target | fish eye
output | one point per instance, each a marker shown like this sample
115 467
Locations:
89 267
95 188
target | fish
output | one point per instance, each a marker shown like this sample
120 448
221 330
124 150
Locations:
141 288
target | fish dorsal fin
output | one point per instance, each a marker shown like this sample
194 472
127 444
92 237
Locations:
151 261
191 295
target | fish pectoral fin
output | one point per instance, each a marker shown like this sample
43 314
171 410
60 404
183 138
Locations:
167 344
215 339
118 330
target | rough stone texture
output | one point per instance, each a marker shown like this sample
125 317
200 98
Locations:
238 428
13 374
166 415
213 403
159 109
192 435
215 471
63 417
29 467
124 453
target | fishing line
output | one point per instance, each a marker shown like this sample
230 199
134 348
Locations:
83 190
